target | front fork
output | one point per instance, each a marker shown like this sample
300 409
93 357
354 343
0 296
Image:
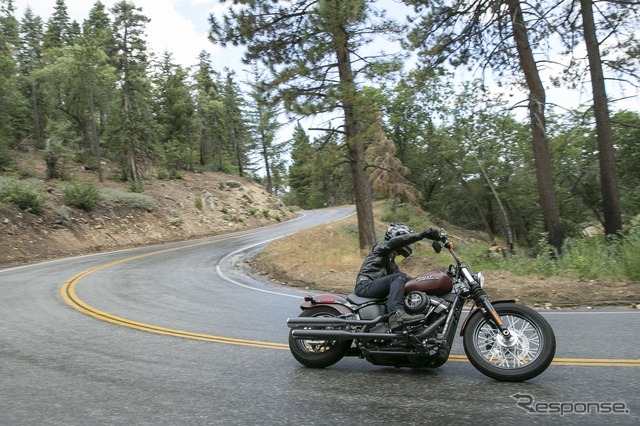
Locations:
482 302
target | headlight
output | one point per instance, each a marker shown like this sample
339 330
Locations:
479 279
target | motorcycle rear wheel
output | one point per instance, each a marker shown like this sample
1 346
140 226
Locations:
318 353
527 354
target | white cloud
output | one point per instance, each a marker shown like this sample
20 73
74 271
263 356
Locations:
178 26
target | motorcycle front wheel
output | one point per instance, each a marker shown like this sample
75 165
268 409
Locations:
526 354
318 353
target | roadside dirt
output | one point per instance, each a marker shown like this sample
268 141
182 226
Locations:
282 262
198 205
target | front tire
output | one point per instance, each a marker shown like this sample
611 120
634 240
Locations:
318 353
527 354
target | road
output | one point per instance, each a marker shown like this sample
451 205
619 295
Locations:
179 334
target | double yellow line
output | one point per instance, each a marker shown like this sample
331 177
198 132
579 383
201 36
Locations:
72 299
577 362
70 296
597 362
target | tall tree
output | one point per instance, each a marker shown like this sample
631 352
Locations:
608 31
314 51
10 98
58 30
608 177
498 35
210 111
238 142
263 112
30 59
131 123
317 176
97 27
175 113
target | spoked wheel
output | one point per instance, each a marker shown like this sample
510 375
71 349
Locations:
526 354
318 353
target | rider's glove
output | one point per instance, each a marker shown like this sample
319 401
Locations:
432 234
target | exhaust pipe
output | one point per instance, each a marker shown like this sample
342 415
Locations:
303 333
306 333
329 322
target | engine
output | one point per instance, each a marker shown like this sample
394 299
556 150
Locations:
419 302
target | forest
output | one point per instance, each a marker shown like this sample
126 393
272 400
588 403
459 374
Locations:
487 153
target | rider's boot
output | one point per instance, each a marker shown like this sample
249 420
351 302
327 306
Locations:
399 318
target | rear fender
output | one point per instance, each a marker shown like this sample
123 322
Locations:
477 311
337 302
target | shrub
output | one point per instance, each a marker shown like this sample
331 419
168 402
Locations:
22 195
130 199
198 202
84 196
136 186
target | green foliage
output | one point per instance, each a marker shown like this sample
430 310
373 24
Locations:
21 194
630 251
587 258
130 199
136 186
6 157
82 195
403 213
198 203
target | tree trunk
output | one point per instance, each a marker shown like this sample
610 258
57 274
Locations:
356 151
37 126
267 164
95 141
608 177
541 154
503 211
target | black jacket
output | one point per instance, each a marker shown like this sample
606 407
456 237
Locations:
380 261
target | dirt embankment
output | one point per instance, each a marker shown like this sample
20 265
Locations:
198 205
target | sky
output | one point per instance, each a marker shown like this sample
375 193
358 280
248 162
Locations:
181 27
178 26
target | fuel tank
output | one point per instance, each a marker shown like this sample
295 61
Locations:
436 283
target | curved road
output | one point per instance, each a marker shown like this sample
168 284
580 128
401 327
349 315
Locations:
179 334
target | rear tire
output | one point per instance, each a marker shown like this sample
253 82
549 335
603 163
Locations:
318 353
528 353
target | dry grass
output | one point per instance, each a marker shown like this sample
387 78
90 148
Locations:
328 257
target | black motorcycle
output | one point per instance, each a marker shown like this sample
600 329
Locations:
503 340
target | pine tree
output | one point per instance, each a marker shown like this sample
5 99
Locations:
314 51
237 142
496 35
31 59
210 111
58 32
131 125
264 113
11 100
175 113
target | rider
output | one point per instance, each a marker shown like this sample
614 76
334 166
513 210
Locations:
379 275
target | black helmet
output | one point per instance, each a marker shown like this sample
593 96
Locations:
397 229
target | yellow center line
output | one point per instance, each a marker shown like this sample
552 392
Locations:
72 299
588 362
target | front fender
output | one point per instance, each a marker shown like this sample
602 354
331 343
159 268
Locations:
337 302
477 311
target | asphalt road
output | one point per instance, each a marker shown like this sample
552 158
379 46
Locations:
181 335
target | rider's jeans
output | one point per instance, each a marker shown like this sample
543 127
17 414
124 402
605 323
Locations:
390 286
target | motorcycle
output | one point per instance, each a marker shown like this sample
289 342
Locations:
502 339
